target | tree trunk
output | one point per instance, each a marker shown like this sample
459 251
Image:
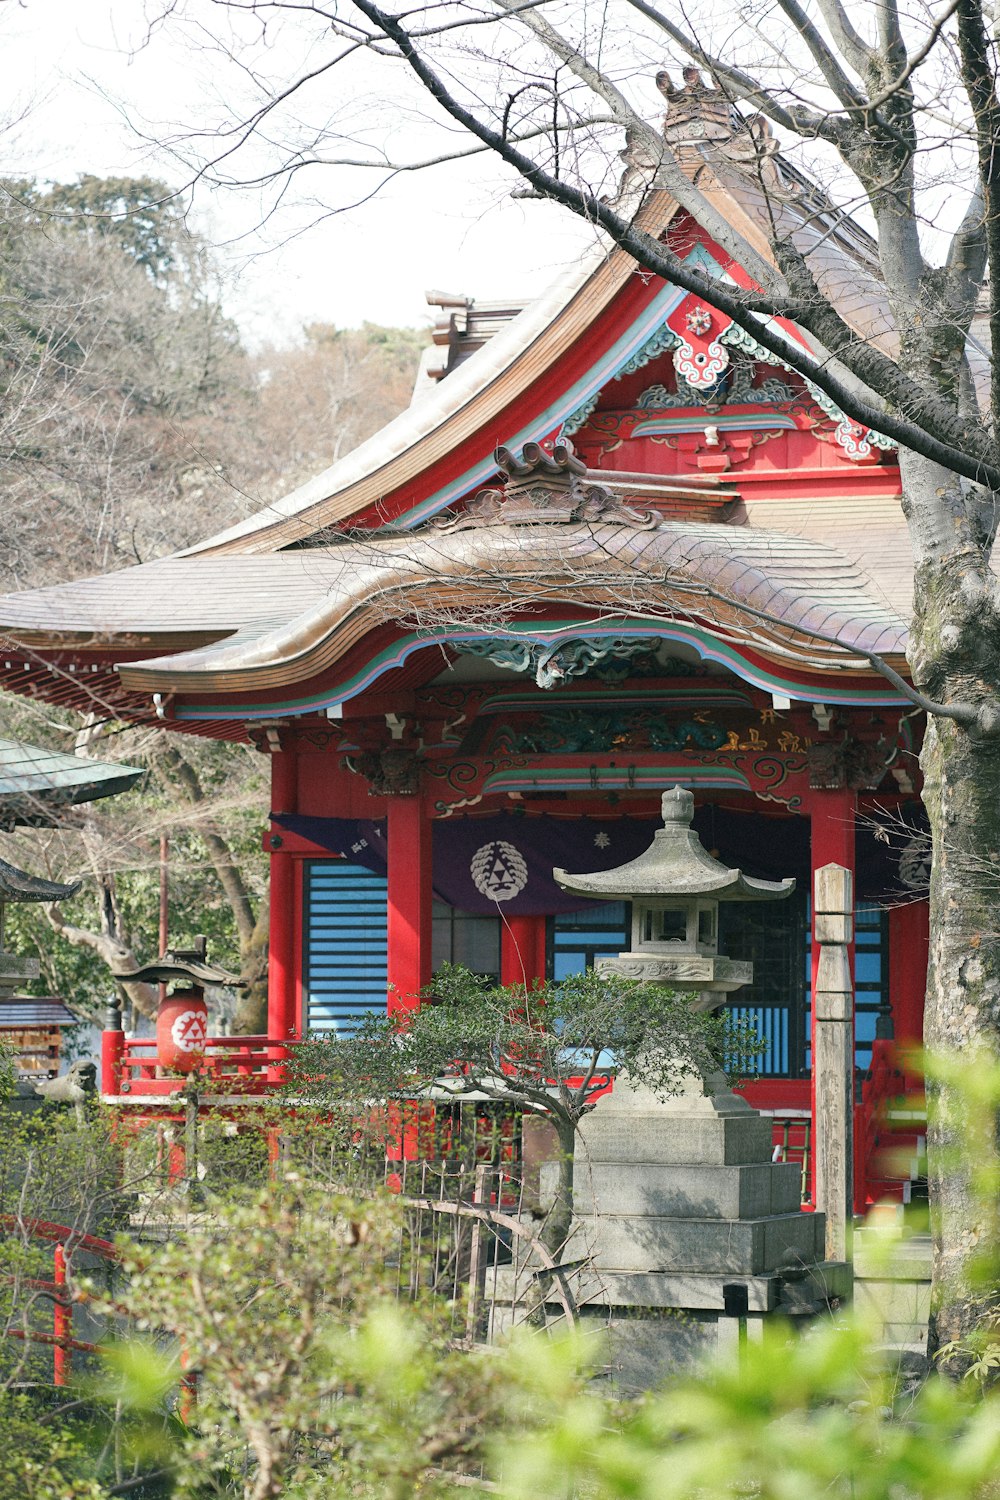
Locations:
955 652
962 1019
251 1008
559 1222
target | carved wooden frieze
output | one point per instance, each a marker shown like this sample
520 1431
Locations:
849 762
392 772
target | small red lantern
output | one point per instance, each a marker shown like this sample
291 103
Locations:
181 1031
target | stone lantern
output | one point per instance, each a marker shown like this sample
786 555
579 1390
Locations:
675 888
679 1203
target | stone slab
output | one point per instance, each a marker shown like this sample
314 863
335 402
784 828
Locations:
741 1191
726 1140
722 1247
888 1257
682 1289
18 966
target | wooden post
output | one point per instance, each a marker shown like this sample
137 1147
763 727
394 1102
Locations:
281 977
164 903
833 1056
832 814
409 900
477 1260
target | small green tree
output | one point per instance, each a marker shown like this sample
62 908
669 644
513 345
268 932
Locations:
546 1049
313 1380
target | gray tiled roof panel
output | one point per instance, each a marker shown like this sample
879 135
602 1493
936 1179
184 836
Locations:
24 1011
191 594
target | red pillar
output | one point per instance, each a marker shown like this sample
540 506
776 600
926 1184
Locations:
522 950
409 900
832 816
281 978
909 936
62 1320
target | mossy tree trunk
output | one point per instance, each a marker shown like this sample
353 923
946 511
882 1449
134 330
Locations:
955 657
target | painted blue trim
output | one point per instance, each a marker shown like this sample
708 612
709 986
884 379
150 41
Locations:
707 647
653 425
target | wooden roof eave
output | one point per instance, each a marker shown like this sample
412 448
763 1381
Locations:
472 397
479 391
308 645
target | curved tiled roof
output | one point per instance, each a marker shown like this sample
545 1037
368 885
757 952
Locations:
278 597
346 590
35 783
241 624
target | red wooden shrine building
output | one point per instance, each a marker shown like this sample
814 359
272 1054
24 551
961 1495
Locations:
469 666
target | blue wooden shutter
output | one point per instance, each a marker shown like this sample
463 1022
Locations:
344 943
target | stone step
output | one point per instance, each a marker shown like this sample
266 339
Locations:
720 1140
722 1247
695 1191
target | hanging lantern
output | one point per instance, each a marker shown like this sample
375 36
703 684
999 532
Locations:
182 1019
181 1031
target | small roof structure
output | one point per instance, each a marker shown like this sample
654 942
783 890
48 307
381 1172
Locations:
17 885
24 1012
675 864
35 783
182 963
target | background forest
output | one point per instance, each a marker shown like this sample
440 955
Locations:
134 421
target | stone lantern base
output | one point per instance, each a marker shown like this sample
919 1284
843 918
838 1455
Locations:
693 1234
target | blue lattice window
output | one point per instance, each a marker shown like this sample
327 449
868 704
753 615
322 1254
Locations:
344 944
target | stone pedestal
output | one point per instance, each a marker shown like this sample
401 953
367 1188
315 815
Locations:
693 1234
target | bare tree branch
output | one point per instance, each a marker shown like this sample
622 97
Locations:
930 427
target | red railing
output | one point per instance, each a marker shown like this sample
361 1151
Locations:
231 1065
64 1240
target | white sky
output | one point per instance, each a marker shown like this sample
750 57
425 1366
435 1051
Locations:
454 228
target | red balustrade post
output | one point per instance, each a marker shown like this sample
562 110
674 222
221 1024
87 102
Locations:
112 1049
188 1388
908 944
832 814
62 1320
409 900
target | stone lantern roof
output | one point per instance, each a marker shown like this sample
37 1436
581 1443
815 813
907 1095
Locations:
182 964
17 885
675 864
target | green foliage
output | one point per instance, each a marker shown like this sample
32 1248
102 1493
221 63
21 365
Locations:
549 1047
121 379
317 1381
43 1459
8 1070
312 1379
545 1049
820 1416
137 215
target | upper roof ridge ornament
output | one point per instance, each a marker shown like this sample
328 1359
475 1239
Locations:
702 114
543 486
